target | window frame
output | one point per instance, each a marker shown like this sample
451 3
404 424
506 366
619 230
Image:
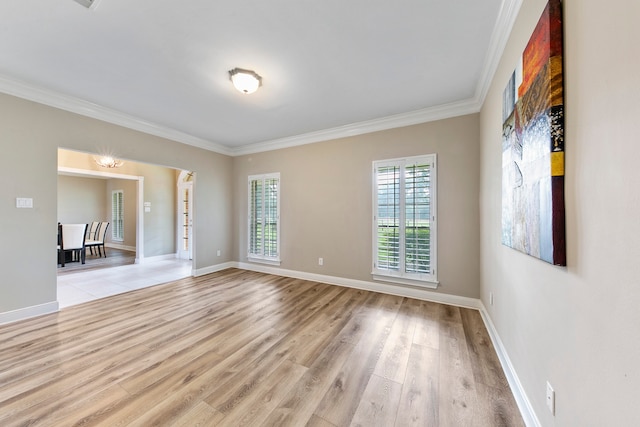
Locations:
117 230
261 257
401 275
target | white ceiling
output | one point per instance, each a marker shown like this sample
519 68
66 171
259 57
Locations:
330 68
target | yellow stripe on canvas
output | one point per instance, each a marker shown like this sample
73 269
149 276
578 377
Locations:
557 163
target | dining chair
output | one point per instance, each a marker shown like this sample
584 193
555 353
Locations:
72 239
99 239
91 233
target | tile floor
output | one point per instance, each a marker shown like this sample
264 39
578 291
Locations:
76 288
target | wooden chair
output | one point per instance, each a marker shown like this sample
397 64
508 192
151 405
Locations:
98 241
72 238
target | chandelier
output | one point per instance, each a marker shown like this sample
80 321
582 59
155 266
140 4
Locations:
108 162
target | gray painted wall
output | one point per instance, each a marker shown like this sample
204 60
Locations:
81 200
30 135
130 200
326 200
576 327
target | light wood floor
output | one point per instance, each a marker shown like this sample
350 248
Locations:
244 348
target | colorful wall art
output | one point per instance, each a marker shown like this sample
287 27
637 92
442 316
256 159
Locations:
533 213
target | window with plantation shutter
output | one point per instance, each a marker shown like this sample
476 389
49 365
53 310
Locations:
264 218
117 215
404 224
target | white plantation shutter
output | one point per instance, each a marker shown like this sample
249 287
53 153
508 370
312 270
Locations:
388 217
271 217
117 215
264 217
404 220
418 218
256 194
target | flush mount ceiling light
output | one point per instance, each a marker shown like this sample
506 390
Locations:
108 162
246 81
89 4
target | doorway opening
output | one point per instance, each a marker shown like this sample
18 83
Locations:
185 215
151 203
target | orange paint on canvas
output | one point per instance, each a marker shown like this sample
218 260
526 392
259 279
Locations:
545 42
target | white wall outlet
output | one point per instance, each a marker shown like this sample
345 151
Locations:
218 253
490 298
320 261
551 399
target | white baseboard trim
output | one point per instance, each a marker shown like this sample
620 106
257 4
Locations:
385 288
155 258
526 410
119 246
214 268
28 312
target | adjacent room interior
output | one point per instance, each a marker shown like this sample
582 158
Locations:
89 192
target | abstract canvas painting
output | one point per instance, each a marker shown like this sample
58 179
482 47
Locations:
533 212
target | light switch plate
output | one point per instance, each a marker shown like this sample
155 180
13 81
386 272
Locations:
24 202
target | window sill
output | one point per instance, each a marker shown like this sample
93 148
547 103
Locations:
268 261
429 284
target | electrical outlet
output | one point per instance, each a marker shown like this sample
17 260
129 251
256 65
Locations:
551 399
218 253
320 261
490 298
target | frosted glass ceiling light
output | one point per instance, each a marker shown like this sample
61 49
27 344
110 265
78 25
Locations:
246 81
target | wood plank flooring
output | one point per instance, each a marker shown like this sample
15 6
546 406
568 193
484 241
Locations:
240 348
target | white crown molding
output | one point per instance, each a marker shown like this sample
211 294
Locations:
78 106
507 15
502 29
439 112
